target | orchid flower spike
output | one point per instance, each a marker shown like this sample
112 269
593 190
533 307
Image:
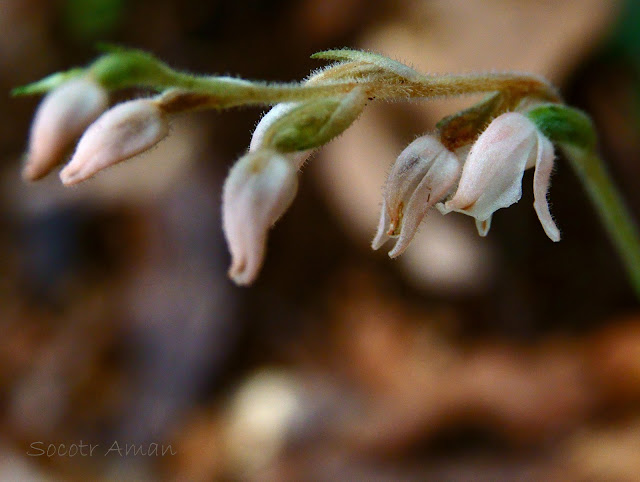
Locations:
119 134
258 190
423 174
492 175
61 118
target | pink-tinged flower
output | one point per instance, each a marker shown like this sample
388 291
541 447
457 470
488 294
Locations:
492 175
423 174
275 113
259 189
119 134
60 119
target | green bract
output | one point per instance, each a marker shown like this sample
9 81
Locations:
315 123
564 125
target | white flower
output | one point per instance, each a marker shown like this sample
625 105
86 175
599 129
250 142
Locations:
492 175
60 119
423 174
119 134
259 189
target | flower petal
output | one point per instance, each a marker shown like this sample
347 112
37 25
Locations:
381 236
541 177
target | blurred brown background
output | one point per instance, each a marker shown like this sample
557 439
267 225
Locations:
500 358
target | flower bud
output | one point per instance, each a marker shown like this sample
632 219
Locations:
259 189
119 134
423 174
60 119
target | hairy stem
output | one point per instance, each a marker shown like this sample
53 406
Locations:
199 93
192 93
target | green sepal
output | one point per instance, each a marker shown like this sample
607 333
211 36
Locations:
48 83
564 125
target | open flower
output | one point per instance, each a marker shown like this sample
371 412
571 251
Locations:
426 171
423 175
61 117
259 189
492 175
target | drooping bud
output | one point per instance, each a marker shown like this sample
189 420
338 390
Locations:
423 174
259 189
119 134
60 119
492 174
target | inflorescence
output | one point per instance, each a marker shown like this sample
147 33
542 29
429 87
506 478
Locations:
472 163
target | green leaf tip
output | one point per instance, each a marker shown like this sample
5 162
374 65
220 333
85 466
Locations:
564 125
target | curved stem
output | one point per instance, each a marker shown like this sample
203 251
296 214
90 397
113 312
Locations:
517 84
610 207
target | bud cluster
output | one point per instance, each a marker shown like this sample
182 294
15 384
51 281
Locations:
111 136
